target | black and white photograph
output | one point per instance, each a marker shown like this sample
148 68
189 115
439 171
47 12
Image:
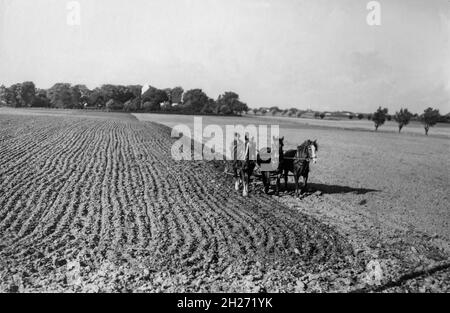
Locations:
224 147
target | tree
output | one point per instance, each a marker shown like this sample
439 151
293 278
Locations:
41 100
210 107
369 117
27 93
232 101
292 111
194 100
402 118
109 92
322 115
274 110
153 98
429 118
76 97
84 93
5 95
379 117
136 90
97 99
15 96
114 105
168 92
132 105
240 107
360 116
118 93
167 106
225 109
176 95
151 106
2 95
316 114
18 95
444 118
60 96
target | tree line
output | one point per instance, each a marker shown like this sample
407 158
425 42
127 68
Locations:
175 100
121 98
428 118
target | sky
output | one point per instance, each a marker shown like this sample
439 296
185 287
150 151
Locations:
315 54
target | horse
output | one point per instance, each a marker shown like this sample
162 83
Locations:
297 161
267 160
243 163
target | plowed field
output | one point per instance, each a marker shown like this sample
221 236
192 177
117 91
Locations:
98 204
93 202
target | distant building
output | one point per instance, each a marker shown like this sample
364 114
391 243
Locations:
308 114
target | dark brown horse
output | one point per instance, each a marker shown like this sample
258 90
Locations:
243 163
297 162
264 161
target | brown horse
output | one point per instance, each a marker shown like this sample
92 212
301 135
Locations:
297 162
264 160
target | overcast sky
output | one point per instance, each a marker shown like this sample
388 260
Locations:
306 54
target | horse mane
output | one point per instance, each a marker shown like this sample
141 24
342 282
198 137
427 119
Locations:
309 142
305 144
302 148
